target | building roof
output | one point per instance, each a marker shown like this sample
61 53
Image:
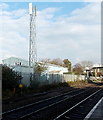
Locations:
97 67
12 61
14 58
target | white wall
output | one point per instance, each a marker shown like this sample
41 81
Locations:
46 79
71 77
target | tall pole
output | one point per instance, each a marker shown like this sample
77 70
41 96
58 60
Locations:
32 42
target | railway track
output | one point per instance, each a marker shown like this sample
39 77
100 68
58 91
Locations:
52 112
16 102
82 108
27 110
48 109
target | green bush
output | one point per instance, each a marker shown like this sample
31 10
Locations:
10 79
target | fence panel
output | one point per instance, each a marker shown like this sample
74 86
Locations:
45 79
71 77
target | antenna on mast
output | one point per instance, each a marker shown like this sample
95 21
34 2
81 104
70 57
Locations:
30 8
32 42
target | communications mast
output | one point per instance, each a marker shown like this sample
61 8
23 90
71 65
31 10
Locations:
32 42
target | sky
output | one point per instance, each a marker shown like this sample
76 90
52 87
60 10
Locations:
65 30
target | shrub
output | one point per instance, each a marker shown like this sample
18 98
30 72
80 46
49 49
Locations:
10 79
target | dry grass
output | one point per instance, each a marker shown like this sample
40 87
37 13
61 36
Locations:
81 84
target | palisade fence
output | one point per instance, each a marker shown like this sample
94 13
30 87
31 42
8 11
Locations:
46 79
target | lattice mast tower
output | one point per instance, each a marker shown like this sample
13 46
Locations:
32 42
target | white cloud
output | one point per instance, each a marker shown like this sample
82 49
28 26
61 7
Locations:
14 33
75 36
4 6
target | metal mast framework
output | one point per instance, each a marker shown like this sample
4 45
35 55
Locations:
32 42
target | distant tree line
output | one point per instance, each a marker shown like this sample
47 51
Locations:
78 68
57 61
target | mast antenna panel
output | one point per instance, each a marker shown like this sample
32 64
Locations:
30 9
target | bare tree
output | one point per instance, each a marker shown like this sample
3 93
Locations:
85 64
46 60
40 67
77 69
56 61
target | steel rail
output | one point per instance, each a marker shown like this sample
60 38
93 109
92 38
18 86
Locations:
39 102
30 105
59 116
50 105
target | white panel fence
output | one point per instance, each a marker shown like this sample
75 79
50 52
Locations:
44 79
71 77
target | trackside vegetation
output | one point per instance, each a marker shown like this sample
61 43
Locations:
10 79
